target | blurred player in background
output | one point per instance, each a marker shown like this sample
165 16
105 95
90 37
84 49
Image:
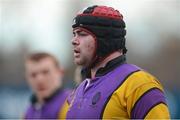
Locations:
44 75
111 87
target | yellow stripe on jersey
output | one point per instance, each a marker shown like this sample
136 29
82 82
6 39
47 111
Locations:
64 109
161 114
125 97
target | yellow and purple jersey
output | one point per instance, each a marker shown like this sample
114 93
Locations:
125 92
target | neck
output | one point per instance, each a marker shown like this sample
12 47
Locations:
104 62
40 100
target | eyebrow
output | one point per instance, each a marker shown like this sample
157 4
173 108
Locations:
78 31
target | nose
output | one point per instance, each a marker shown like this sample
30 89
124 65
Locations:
40 78
75 41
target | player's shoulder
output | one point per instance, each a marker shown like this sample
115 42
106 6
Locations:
142 77
142 80
138 83
136 76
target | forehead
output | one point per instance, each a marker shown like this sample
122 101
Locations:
38 65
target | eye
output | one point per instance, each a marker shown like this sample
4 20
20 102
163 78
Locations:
83 33
80 33
74 34
33 75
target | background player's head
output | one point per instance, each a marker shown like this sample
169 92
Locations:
103 29
43 73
